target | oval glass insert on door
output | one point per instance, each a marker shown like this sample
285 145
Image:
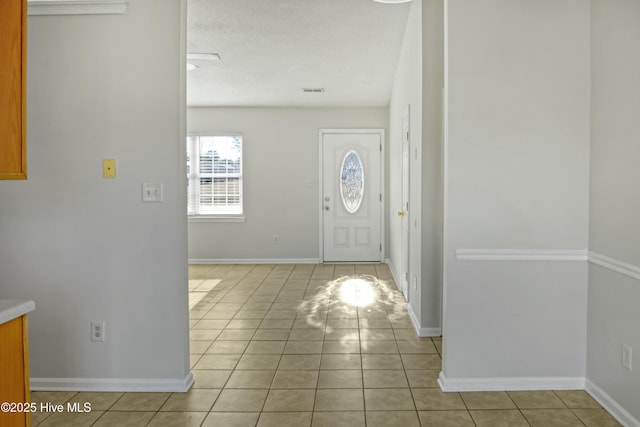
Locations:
352 181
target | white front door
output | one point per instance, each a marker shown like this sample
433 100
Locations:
351 195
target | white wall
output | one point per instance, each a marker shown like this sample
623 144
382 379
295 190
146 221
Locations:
613 315
418 84
517 165
84 247
432 197
281 193
406 92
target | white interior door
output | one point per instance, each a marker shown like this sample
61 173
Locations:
352 195
404 209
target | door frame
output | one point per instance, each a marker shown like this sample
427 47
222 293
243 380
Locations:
405 235
383 202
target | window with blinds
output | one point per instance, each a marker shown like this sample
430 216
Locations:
214 174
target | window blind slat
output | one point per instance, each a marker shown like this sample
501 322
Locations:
214 168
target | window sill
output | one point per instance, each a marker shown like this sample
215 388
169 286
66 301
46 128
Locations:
217 218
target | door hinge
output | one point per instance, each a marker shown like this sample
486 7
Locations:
380 196
380 148
380 247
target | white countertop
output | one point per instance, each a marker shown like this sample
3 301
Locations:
12 308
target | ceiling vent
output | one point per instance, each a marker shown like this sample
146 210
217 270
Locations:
312 89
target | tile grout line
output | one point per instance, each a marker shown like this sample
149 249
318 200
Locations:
233 370
246 290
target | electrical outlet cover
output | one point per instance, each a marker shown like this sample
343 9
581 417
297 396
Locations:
97 331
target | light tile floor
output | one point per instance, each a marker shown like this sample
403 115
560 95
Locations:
314 345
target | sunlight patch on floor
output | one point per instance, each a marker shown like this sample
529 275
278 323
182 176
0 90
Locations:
356 291
198 289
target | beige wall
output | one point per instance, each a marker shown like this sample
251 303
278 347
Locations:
84 247
614 289
281 193
406 94
517 178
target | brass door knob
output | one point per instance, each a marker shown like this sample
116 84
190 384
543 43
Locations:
400 213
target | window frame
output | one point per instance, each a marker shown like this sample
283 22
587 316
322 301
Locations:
193 146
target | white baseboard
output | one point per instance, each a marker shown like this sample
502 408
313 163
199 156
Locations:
611 406
510 383
422 332
254 261
113 384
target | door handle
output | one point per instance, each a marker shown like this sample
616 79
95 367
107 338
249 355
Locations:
400 213
326 208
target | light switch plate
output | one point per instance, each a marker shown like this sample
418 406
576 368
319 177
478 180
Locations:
152 192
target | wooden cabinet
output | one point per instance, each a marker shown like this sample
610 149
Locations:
14 370
13 41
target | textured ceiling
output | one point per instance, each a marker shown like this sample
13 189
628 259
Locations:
271 49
